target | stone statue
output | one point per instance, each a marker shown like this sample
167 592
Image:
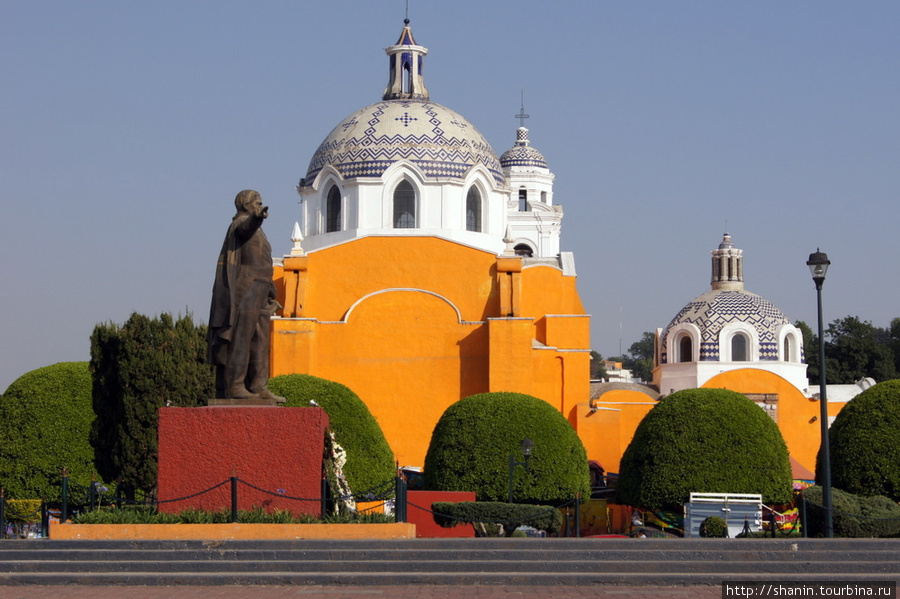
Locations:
243 301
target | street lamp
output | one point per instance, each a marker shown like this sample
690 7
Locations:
526 445
818 266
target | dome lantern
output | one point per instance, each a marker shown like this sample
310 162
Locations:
406 81
727 266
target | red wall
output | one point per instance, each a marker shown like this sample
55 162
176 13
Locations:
424 521
276 449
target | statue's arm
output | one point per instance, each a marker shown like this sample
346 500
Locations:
247 226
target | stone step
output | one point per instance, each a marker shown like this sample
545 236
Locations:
746 553
454 565
356 579
446 561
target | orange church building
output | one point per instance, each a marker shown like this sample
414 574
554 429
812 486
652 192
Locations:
427 269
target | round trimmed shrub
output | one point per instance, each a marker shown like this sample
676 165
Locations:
865 443
472 443
704 441
714 528
370 461
45 424
852 515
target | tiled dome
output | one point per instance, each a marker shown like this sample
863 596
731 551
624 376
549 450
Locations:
522 154
436 139
716 308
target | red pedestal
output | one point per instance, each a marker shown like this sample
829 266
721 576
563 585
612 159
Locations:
277 450
426 527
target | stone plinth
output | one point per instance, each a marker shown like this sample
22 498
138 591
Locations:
274 449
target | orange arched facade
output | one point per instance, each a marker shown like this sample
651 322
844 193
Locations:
413 324
608 424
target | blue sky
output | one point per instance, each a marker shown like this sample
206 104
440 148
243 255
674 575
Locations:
127 128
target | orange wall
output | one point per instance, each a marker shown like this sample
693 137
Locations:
380 315
619 412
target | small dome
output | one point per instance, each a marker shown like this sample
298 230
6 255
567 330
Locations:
436 139
522 154
715 309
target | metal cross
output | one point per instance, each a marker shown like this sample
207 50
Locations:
522 116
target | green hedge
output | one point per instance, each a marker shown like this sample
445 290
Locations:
508 515
254 516
45 423
475 437
714 528
852 515
370 461
865 443
704 441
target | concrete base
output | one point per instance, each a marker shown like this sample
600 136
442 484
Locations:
276 450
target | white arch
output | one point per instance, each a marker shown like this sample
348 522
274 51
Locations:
392 176
327 173
730 330
673 338
346 316
795 340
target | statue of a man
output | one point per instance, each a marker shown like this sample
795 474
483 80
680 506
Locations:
243 302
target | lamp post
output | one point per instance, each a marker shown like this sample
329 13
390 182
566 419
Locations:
818 266
526 445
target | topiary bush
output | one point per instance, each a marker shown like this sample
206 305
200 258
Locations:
713 528
852 515
472 443
704 440
370 461
45 424
865 451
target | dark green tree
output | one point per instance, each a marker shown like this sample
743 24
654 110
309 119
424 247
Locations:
370 461
894 342
640 356
810 351
45 421
865 443
704 440
598 367
472 443
855 349
137 368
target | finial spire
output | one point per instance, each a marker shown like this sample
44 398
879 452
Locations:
297 239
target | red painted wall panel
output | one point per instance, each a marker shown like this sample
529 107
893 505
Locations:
278 450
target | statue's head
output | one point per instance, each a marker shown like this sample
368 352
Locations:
244 200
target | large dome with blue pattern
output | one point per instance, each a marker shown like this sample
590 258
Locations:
437 140
716 308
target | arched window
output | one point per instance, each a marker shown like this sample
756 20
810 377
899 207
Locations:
685 349
404 206
333 210
473 210
739 347
523 200
524 250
